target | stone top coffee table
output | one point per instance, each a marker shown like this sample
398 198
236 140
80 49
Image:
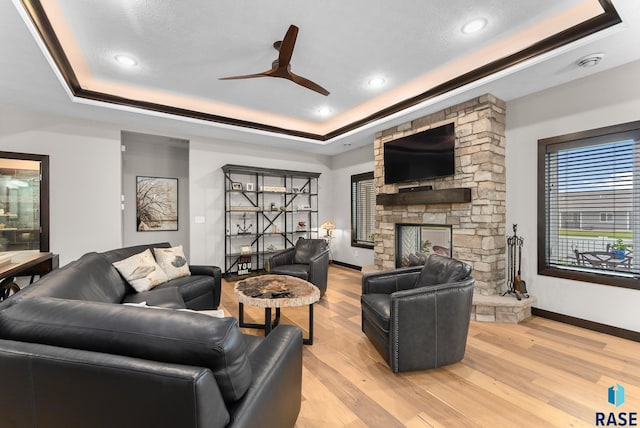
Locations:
275 291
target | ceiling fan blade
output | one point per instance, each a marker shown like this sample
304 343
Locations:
247 76
308 84
282 67
286 48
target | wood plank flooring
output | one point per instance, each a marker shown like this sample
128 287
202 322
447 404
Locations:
536 374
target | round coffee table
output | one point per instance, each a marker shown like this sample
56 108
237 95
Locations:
275 291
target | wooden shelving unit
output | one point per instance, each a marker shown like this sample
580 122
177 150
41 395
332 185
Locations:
266 210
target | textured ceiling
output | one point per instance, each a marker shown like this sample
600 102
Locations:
182 48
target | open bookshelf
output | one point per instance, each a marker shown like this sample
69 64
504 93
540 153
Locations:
266 210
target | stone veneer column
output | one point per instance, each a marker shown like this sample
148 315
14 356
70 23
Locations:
478 226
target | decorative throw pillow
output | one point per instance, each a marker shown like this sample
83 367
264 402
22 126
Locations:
141 271
217 313
172 261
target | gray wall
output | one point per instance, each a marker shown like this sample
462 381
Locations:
154 156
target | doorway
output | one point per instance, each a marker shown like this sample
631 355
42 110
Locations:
162 163
24 202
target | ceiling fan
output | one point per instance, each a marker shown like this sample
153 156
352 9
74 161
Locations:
281 67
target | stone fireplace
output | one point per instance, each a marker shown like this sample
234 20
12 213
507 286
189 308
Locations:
472 202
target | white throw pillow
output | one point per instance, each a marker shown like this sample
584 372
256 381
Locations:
172 261
141 271
217 313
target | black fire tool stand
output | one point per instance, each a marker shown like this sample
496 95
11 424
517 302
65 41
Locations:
515 284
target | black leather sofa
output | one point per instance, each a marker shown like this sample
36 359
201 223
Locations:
71 355
418 317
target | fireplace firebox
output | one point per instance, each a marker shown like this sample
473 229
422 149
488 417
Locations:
416 242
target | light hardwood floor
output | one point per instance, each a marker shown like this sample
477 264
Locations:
536 374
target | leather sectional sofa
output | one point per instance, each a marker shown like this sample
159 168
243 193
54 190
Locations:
72 355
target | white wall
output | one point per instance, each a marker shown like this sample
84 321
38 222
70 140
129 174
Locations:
343 167
84 162
206 157
603 99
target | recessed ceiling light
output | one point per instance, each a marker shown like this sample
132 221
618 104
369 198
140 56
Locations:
376 82
474 26
590 60
125 60
324 111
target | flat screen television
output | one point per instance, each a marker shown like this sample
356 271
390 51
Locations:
425 155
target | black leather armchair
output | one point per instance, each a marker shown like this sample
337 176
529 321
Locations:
418 317
308 260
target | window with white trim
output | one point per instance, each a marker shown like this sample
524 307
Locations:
589 206
606 217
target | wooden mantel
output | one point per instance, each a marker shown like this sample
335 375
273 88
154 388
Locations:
425 197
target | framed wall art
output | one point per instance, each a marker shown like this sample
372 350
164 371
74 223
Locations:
156 203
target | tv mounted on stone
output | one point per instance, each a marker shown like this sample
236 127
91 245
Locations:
421 156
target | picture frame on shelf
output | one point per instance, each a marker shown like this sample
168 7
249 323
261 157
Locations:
244 265
245 250
249 187
236 186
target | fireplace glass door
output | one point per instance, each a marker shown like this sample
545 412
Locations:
416 242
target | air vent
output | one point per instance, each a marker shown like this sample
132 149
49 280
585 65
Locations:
590 60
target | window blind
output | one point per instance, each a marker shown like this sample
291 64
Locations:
592 204
362 208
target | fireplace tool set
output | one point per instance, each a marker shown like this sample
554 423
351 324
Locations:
515 283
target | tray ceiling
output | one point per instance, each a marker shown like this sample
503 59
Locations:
181 49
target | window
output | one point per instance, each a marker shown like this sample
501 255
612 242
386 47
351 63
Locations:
363 210
589 206
606 217
570 219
